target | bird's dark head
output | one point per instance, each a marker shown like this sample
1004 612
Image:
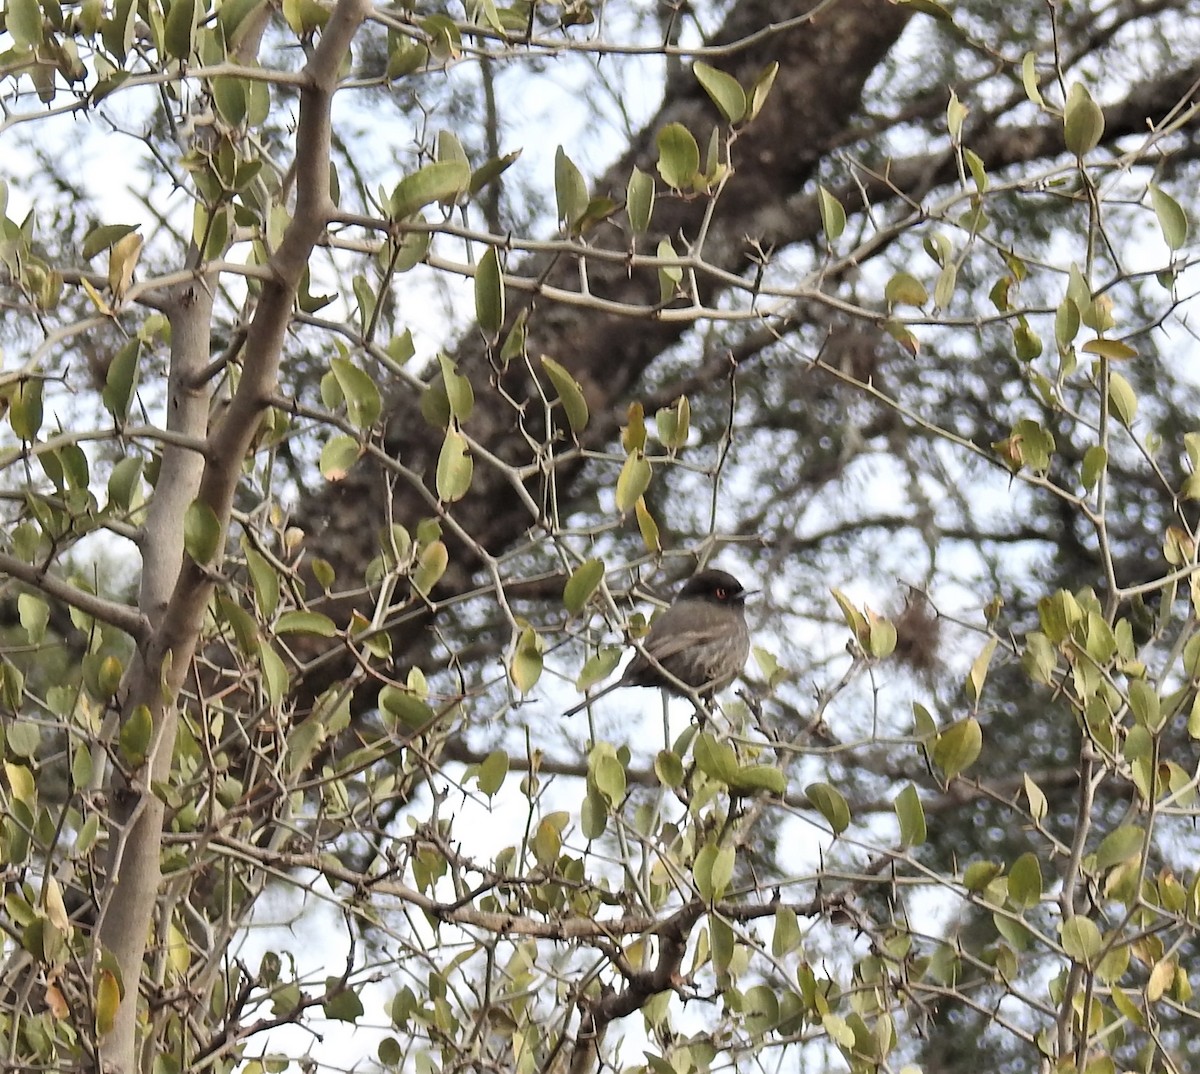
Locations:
718 586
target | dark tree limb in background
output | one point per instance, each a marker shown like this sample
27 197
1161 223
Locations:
824 63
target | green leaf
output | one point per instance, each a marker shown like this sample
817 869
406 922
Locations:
598 667
607 774
179 32
431 565
1122 398
674 423
305 16
338 455
1081 939
264 579
724 90
34 614
678 156
570 190
491 170
489 294
1095 460
23 20
407 707
716 760
785 937
201 532
1066 323
440 181
445 40
1037 798
454 468
1119 845
363 402
1025 881
904 289
761 89
1030 80
1083 120
830 803
25 409
911 815
647 527
833 216
713 870
632 481
1146 706
752 778
460 396
958 747
300 622
343 1006
103 236
979 874
526 667
493 770
668 766
582 584
570 394
669 276
979 670
639 200
1172 220
23 737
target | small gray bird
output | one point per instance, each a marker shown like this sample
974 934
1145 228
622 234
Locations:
701 640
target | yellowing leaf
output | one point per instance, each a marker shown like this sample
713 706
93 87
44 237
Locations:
1109 348
108 1000
632 481
122 260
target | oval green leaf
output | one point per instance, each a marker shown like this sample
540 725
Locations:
570 394
1172 220
639 200
833 216
440 181
678 156
830 803
958 747
489 294
201 532
582 584
1083 120
724 90
454 468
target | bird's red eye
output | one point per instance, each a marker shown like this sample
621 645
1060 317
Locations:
721 592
